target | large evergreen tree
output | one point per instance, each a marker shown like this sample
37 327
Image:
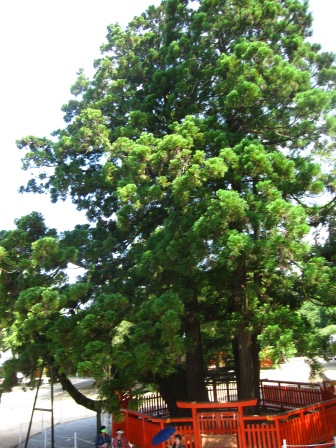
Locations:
196 152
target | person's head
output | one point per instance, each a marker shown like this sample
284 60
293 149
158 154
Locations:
103 430
119 433
178 439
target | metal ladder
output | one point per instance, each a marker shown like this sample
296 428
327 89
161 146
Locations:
51 410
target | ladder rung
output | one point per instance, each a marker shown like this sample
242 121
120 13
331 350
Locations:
42 409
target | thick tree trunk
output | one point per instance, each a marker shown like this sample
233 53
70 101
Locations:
196 386
248 379
246 354
172 389
246 362
246 350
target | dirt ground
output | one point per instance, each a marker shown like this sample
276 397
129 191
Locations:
16 407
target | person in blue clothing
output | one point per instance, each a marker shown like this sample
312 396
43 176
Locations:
103 440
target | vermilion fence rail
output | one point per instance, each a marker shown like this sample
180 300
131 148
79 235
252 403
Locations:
288 395
280 395
218 422
260 433
223 424
153 403
141 428
308 425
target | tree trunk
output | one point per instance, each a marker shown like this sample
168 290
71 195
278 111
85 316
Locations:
246 384
81 399
246 350
256 364
98 422
248 375
196 386
172 389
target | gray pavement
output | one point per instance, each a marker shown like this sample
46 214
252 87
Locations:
16 411
78 433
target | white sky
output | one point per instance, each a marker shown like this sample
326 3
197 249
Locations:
43 43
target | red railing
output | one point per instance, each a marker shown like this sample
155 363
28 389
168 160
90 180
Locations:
154 405
141 428
259 432
224 424
280 395
288 395
218 422
309 425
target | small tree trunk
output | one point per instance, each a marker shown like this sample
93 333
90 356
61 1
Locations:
98 421
256 365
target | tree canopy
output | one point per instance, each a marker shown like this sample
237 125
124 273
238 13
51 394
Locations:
200 151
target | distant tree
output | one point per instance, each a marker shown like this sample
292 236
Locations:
196 152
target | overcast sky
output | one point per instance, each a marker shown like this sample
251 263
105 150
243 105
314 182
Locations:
43 43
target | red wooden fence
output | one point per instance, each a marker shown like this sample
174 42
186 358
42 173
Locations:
288 395
306 425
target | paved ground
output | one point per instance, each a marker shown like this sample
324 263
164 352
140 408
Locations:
75 426
77 433
69 418
298 370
